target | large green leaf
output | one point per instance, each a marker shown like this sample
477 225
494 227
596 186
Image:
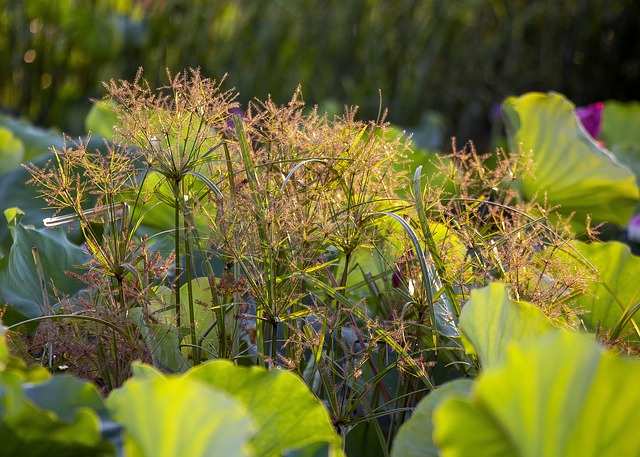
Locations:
559 394
170 416
20 285
65 396
48 415
415 437
569 168
490 320
288 415
621 132
616 286
56 417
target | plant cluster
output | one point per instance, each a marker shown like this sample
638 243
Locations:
278 236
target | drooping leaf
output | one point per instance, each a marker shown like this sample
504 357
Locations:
163 341
490 320
286 412
559 394
569 168
20 285
176 415
415 437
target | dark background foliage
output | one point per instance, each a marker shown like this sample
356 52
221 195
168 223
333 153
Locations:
442 66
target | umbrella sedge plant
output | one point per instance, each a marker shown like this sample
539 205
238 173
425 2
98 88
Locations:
281 237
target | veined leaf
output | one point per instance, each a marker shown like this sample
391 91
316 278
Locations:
165 417
560 394
621 132
56 417
569 168
415 437
289 417
490 320
20 285
614 291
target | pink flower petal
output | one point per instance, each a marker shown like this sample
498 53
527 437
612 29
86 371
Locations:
591 118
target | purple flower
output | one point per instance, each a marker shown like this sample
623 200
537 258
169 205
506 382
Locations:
633 229
590 117
233 111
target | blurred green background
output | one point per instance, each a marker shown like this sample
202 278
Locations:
442 66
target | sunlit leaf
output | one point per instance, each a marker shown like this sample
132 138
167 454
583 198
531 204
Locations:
37 142
415 439
100 120
621 132
615 288
490 320
166 417
56 417
569 168
559 394
286 412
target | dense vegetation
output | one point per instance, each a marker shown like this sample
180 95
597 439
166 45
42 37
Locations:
200 272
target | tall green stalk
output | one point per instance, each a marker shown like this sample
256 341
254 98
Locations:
188 264
176 239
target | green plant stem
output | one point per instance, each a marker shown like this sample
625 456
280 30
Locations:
104 365
215 299
116 359
44 307
345 272
121 291
176 235
190 304
274 342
